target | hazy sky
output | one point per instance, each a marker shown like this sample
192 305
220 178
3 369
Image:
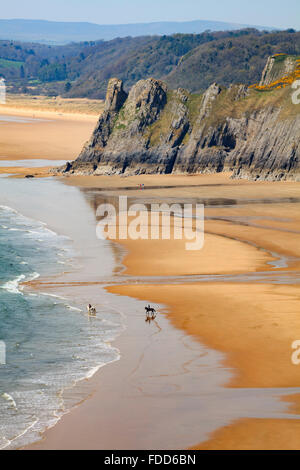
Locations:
277 13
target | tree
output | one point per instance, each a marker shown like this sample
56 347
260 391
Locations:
68 87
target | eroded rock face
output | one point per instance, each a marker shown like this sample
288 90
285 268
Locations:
118 144
153 130
115 95
261 147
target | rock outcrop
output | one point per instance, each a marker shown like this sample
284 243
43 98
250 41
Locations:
154 130
276 67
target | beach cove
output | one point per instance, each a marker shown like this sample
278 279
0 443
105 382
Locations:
226 349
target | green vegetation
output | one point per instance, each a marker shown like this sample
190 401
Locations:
161 127
232 60
53 72
256 101
190 61
280 58
193 104
4 63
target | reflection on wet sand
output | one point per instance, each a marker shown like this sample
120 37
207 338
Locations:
270 226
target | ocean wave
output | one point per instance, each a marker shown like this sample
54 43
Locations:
8 443
75 348
10 400
13 287
30 226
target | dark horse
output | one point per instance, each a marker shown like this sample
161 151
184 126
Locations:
150 312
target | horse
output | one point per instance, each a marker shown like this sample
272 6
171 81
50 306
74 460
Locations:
150 311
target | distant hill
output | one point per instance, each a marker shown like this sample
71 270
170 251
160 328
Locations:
231 60
53 32
190 61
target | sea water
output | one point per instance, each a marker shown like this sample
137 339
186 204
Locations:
50 344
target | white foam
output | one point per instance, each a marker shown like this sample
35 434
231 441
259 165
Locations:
10 399
10 442
32 277
34 227
13 286
94 354
73 308
53 295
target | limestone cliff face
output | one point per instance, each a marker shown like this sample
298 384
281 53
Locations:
276 67
155 130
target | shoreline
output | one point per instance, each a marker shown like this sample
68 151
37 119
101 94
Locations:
239 330
246 375
82 266
141 347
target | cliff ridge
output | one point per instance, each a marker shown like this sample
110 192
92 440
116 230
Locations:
252 132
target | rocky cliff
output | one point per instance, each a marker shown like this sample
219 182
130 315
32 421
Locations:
253 133
278 66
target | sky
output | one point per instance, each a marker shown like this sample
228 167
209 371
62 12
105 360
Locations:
277 13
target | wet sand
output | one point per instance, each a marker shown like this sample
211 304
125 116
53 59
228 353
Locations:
150 394
256 227
243 328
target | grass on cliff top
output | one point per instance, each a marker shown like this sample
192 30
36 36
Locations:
224 107
278 69
281 58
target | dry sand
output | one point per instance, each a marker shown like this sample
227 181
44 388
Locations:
30 105
44 134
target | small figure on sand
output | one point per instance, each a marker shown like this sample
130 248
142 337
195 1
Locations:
91 310
150 313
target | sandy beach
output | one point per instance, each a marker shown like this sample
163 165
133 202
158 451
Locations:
42 132
235 303
250 314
